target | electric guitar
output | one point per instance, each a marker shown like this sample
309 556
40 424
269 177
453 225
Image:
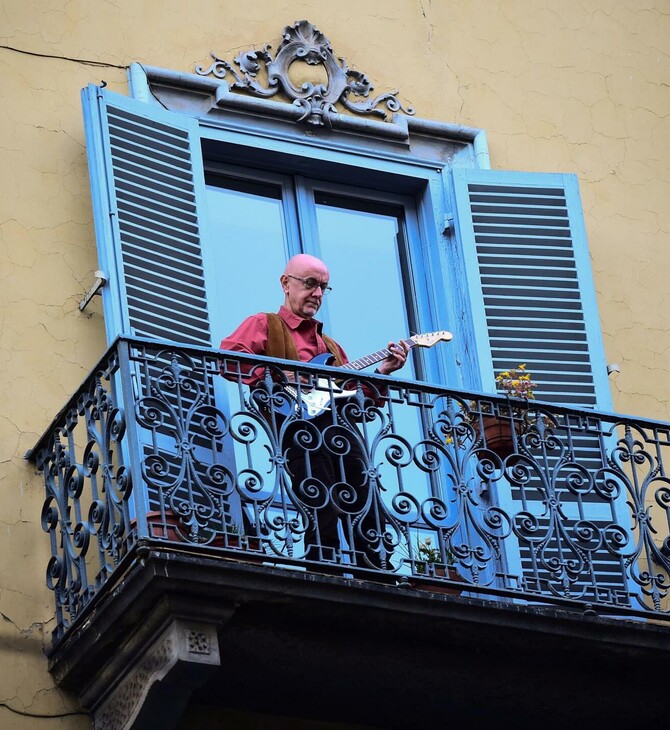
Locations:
312 401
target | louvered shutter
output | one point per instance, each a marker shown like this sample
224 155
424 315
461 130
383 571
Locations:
527 258
534 302
147 186
146 172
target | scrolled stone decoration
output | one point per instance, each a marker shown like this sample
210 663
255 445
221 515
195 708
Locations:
303 42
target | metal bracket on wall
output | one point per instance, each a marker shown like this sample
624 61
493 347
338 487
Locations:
100 281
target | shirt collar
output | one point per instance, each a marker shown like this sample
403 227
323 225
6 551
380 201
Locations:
295 322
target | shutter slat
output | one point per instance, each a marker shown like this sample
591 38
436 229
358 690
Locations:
146 236
143 217
169 206
160 131
134 174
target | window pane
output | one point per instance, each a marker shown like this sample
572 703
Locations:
367 308
250 243
365 249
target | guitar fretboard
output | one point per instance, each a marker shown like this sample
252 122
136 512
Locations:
374 357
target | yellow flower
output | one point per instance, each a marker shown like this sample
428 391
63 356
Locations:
516 382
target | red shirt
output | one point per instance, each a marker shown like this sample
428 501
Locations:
252 336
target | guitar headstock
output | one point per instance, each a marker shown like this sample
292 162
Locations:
429 339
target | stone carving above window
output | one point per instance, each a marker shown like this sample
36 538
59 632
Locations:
302 42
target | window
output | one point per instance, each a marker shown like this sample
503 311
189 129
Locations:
172 192
147 171
259 221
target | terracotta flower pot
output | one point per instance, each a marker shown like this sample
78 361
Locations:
171 529
497 435
437 586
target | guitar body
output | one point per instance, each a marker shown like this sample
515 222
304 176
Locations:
314 402
325 358
310 403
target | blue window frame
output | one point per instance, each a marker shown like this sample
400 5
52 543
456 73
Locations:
369 240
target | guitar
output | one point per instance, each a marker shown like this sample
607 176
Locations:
310 402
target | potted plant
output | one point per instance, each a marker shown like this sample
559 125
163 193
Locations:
428 562
516 383
497 432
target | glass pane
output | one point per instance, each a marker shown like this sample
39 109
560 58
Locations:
250 245
249 255
367 308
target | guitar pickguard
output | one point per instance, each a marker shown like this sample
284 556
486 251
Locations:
318 400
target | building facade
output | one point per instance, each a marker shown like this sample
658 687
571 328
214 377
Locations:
496 104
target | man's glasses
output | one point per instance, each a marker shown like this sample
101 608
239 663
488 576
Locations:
311 283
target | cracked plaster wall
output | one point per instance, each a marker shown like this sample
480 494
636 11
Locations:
572 87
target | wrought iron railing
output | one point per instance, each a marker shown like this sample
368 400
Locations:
398 481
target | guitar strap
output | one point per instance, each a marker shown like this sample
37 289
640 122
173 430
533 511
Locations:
281 345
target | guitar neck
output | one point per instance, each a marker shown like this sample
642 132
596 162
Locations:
374 357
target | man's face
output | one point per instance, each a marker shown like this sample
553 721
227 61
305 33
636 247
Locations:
297 297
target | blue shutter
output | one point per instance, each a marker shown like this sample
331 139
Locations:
146 171
147 187
533 301
530 278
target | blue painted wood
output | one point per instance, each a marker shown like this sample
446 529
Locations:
146 174
531 287
533 301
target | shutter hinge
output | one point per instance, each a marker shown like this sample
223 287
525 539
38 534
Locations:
448 224
100 281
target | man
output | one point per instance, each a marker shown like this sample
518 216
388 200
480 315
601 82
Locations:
330 483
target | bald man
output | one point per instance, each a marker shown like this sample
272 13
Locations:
293 333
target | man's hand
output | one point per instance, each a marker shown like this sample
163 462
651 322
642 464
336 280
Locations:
395 360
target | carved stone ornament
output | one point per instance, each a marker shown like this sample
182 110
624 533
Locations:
123 704
162 679
303 42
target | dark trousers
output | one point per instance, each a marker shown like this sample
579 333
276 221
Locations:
329 477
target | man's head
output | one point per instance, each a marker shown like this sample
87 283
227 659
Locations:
298 297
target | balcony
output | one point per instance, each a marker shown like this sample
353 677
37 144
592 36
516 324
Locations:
484 548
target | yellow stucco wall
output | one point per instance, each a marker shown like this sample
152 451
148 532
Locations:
572 87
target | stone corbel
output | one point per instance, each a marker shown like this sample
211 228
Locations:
156 690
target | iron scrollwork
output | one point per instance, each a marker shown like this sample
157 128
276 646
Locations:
88 492
575 510
305 43
185 431
320 473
